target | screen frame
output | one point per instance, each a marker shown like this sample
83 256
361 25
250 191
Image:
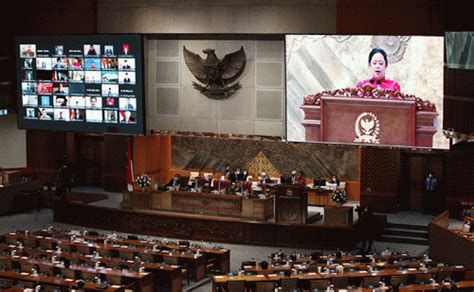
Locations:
88 127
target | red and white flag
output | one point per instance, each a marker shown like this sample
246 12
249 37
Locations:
129 173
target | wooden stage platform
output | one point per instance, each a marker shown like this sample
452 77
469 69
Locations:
212 229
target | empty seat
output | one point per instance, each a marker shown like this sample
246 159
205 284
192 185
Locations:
340 282
319 284
469 276
174 261
265 286
398 280
370 282
441 275
126 254
47 270
423 278
235 286
67 273
114 280
289 284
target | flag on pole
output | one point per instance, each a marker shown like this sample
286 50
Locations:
129 172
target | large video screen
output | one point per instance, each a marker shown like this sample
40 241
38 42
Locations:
85 83
367 90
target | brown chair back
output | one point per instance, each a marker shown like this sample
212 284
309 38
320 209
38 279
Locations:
235 286
289 285
67 273
469 276
114 280
370 281
126 254
441 275
47 270
265 286
340 282
170 260
397 280
319 284
425 278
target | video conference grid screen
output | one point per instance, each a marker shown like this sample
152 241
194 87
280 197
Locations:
88 83
319 67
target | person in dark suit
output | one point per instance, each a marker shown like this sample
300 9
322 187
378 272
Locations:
237 175
431 203
175 181
227 173
264 179
244 175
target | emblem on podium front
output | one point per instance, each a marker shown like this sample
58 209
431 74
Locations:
367 128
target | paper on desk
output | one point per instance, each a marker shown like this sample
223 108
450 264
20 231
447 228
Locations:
260 276
218 277
116 286
312 274
459 267
363 272
24 274
411 269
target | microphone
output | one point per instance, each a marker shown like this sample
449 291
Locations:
372 81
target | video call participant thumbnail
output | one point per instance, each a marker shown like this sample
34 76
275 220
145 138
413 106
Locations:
127 117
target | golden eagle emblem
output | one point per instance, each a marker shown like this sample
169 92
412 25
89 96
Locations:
367 128
214 73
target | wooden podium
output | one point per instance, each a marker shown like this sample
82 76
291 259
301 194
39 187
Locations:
406 121
291 204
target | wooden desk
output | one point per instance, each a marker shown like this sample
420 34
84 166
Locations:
304 279
166 276
53 281
342 215
197 263
447 245
320 197
291 204
204 204
141 281
15 199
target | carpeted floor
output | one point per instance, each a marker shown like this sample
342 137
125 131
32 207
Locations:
86 198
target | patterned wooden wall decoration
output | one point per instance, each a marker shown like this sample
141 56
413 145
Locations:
405 17
459 100
114 162
379 179
460 174
313 159
44 151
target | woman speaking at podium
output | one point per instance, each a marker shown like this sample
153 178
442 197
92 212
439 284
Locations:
378 64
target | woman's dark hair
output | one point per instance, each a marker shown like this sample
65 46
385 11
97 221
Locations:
378 50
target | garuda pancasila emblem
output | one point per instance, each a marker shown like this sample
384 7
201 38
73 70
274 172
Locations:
214 73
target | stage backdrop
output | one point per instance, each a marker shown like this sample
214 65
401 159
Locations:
273 157
325 62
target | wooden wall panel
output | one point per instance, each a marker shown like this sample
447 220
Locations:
379 179
152 155
211 229
44 152
389 17
114 162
